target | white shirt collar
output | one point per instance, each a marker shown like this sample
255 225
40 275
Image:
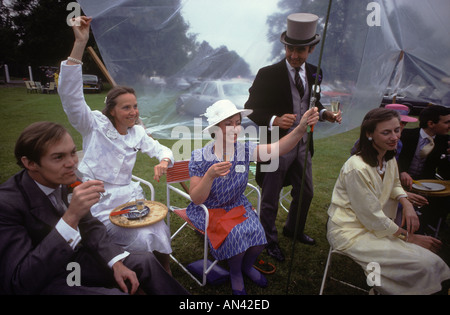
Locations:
291 68
424 135
45 189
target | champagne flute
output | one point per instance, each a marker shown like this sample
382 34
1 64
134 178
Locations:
335 106
226 157
83 176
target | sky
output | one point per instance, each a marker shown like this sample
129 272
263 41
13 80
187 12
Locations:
238 24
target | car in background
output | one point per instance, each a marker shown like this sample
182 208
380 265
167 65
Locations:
415 104
205 94
92 82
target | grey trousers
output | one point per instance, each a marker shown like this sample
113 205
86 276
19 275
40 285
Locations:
290 168
97 279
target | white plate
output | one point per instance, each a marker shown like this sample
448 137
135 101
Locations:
431 187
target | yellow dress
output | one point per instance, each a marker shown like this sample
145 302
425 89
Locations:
361 225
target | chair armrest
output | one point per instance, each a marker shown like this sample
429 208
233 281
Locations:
258 197
152 189
185 195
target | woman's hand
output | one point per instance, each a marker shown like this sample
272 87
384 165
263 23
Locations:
160 169
200 187
309 118
219 169
410 218
425 241
416 199
80 27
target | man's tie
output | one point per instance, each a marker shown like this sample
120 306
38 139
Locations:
57 201
427 148
299 83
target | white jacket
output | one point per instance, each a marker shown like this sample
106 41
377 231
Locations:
110 155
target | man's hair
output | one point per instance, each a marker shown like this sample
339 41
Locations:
34 140
432 113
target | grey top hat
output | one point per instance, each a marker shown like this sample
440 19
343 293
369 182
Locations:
301 30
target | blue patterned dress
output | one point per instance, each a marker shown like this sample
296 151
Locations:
226 193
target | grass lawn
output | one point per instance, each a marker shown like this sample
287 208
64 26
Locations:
19 109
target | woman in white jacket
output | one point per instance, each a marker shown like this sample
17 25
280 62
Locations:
111 141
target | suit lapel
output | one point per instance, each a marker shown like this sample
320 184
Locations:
40 205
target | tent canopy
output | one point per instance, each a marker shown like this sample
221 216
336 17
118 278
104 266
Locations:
182 55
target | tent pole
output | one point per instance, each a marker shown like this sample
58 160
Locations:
310 132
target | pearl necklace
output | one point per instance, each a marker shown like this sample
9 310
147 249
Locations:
383 169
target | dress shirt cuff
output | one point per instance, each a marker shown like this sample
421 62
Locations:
321 114
117 258
71 236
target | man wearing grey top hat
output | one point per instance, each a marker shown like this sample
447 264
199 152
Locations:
279 96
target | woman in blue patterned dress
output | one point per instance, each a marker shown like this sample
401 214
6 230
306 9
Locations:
235 233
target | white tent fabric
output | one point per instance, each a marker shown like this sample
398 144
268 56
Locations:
167 48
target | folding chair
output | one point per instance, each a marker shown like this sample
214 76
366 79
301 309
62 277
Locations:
332 252
31 88
179 173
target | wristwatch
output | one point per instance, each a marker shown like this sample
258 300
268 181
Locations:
166 159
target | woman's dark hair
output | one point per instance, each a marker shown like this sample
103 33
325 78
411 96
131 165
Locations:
365 147
35 139
111 97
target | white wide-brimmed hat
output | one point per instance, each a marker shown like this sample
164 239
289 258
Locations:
301 30
221 110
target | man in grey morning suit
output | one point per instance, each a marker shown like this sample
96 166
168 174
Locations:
280 94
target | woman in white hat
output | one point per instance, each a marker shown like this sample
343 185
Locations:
219 175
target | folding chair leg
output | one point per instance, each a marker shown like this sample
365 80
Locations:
325 273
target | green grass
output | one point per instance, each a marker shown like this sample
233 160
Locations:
19 109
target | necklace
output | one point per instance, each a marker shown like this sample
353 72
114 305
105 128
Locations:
383 169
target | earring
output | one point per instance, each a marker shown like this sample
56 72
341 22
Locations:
369 138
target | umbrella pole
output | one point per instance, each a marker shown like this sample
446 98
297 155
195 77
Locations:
310 132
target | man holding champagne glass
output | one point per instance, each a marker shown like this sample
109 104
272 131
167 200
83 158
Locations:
280 95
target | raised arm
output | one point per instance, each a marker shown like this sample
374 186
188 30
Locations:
265 152
80 26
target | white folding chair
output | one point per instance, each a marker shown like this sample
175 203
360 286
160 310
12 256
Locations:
332 252
179 173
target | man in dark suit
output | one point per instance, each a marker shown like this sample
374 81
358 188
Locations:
425 152
279 96
48 246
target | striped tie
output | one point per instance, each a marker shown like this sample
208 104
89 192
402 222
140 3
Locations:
299 83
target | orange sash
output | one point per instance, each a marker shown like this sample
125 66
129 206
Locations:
222 222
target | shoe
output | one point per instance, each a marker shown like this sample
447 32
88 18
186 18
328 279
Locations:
241 292
274 251
262 282
303 238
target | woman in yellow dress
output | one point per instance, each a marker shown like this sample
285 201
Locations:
363 208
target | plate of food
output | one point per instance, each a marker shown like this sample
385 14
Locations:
427 186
